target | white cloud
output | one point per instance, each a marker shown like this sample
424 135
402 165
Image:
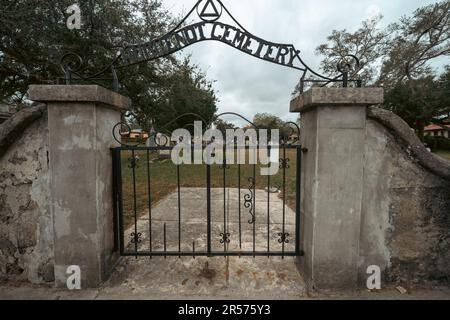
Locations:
372 11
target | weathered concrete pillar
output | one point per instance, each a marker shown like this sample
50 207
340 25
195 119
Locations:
333 131
80 122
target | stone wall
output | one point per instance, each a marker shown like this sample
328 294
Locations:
26 231
405 225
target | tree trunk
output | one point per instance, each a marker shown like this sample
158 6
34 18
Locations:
420 129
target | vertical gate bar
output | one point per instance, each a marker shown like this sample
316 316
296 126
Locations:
297 199
115 200
133 164
224 201
149 203
165 242
208 208
283 235
179 209
121 235
268 206
239 206
254 210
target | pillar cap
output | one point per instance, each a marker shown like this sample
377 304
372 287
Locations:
320 96
78 93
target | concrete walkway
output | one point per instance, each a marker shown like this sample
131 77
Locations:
244 277
225 216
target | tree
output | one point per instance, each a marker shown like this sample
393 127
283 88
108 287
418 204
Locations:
417 40
271 122
416 101
402 51
267 121
185 96
412 89
223 126
444 92
399 59
368 43
34 36
190 97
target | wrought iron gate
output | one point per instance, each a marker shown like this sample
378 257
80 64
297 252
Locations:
249 222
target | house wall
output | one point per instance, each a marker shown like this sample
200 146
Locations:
438 133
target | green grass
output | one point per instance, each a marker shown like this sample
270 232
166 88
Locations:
444 153
163 177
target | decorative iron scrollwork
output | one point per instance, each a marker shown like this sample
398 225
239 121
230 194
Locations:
72 65
284 163
157 137
284 237
225 237
120 132
348 64
248 201
136 237
134 162
71 62
290 133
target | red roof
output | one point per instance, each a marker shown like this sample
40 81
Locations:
434 127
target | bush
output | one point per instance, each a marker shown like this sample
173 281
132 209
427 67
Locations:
437 143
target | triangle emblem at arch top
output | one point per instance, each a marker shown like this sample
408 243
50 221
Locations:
210 10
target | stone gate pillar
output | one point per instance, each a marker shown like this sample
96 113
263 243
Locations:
333 130
80 122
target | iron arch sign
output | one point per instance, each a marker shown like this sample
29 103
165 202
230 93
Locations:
210 27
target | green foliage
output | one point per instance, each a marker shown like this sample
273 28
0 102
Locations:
34 36
416 101
443 84
187 97
437 143
267 121
419 102
223 126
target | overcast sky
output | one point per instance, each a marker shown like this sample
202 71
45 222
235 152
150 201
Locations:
247 85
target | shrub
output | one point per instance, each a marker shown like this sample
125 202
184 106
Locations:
437 143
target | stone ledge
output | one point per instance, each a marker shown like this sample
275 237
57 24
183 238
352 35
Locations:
78 93
319 96
13 128
402 131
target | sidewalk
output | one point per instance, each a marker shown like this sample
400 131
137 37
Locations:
22 292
